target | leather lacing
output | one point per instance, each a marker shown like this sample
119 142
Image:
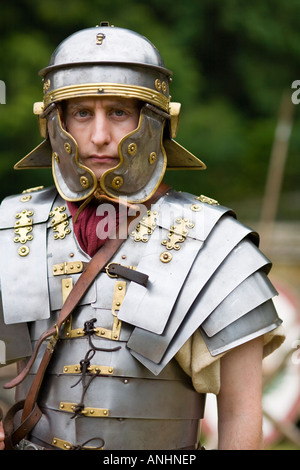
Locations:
89 330
84 445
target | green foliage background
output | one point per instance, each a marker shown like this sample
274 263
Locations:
232 61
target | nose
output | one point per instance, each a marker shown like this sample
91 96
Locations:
101 130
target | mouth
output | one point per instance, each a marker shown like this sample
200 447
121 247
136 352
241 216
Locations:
102 159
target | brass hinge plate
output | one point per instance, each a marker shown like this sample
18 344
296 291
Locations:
99 331
87 411
177 234
145 227
65 445
92 369
73 267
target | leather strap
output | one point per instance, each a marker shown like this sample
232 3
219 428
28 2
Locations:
96 264
116 270
13 437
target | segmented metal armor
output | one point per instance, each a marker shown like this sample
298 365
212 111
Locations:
113 370
113 381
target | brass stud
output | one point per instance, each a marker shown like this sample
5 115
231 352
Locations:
117 182
165 257
152 158
55 156
164 87
25 198
84 182
46 86
195 207
67 147
158 84
23 251
132 148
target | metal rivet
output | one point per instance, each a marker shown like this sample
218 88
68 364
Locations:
132 148
117 182
23 251
152 158
195 207
158 84
25 198
165 257
84 182
55 156
67 147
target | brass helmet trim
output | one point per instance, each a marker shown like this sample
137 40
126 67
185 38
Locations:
105 89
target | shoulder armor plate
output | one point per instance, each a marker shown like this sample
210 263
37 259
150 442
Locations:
217 282
23 257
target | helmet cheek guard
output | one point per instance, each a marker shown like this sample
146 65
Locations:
73 180
143 160
110 62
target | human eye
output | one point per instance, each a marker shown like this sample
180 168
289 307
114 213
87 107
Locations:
118 113
81 113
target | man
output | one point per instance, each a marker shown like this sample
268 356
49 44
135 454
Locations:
179 303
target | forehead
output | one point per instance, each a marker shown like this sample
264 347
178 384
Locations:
103 101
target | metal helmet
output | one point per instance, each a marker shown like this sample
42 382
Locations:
109 61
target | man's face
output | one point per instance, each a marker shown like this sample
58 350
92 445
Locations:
98 125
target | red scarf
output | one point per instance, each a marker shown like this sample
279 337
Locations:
95 224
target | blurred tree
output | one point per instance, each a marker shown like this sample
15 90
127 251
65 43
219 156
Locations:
232 60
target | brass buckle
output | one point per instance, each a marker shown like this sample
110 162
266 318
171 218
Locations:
107 270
